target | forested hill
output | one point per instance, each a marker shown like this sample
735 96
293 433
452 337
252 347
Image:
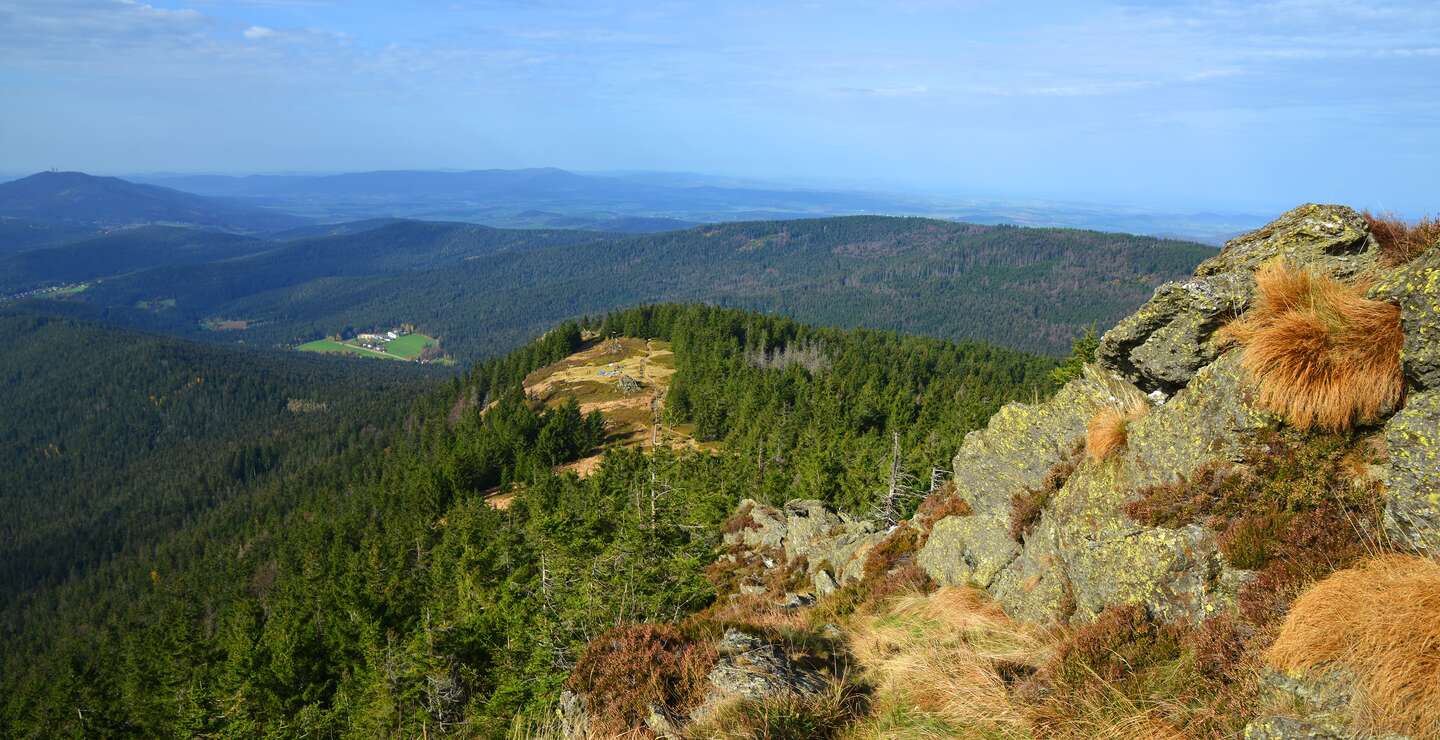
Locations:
119 252
112 440
482 292
368 589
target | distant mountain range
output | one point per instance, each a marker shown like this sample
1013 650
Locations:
163 259
648 202
80 201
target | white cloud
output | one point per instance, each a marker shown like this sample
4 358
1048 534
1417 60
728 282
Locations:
255 33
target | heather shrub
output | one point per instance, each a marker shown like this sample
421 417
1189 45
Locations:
626 669
1400 241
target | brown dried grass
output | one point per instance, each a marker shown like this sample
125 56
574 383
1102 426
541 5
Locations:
1381 620
1322 353
1400 241
1108 429
943 654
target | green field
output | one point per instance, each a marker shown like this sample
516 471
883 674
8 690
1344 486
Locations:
329 346
407 347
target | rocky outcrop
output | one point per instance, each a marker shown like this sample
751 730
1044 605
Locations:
1412 436
1085 554
751 668
1164 343
748 667
829 545
1412 474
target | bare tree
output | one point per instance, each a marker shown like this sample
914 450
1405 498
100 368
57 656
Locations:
901 486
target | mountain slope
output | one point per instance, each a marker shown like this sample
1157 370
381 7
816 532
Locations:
326 601
114 439
316 263
78 199
121 251
1032 289
18 234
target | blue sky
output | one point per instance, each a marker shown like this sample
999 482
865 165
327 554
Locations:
1224 105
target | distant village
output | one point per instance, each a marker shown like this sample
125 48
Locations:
52 290
376 342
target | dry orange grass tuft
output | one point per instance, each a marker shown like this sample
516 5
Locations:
1399 241
1322 353
1108 429
1381 620
943 654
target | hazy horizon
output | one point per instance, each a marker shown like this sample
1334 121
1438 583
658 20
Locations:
1226 106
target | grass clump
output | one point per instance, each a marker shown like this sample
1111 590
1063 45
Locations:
1399 241
942 665
1323 355
1108 430
825 715
626 669
1380 620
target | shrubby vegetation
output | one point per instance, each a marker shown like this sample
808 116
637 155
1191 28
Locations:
369 588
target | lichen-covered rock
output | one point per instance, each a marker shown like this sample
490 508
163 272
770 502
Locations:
751 668
819 534
762 528
1320 706
1288 728
1017 451
1332 236
1412 474
970 550
572 718
824 582
1110 559
832 545
1416 289
1162 344
1085 554
1022 443
1167 340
